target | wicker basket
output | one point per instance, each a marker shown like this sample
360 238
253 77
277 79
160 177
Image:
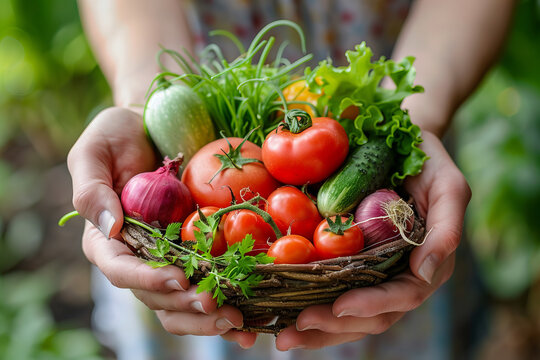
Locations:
288 289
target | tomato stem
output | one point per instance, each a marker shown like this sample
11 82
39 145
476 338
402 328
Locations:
296 121
247 205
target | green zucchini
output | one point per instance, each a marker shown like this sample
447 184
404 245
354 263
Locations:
365 170
177 121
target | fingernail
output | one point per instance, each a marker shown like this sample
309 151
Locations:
105 223
345 312
173 284
225 324
428 267
308 327
197 306
297 347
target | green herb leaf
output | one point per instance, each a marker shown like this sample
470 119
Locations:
246 245
379 109
162 246
173 231
157 264
263 258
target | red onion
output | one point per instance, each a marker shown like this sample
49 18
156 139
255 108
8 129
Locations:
383 217
158 198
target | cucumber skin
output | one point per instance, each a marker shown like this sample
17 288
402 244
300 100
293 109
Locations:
366 169
177 121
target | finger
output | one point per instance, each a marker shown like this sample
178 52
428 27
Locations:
125 270
290 339
90 164
445 195
185 301
219 322
321 317
403 293
244 339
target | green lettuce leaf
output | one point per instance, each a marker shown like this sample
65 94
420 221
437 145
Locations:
379 109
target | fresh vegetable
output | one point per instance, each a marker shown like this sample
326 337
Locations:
384 216
158 198
334 238
304 150
240 223
366 170
379 108
293 211
227 166
298 96
219 245
234 268
177 121
292 249
243 94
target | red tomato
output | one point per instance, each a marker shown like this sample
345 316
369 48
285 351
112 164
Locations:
204 165
292 249
330 245
239 223
289 206
309 156
219 245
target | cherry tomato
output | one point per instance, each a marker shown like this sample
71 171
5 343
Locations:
330 245
290 207
239 223
308 156
219 245
292 249
215 192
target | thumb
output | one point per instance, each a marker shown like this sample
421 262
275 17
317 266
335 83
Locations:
90 165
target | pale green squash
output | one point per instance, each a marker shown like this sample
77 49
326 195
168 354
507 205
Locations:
177 121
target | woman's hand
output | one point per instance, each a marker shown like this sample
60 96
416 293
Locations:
441 195
111 150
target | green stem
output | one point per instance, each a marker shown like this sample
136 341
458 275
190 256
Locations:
73 214
246 205
141 224
67 217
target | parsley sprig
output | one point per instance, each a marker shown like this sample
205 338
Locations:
233 269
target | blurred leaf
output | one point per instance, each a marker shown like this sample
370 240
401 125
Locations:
20 289
499 153
75 344
24 234
30 327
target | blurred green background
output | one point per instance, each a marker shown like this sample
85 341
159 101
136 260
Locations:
50 87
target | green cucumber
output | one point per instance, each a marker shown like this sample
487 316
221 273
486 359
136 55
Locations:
177 121
366 169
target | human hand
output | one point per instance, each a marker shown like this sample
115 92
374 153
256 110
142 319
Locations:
441 195
111 150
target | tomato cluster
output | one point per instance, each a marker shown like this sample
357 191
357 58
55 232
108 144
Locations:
299 152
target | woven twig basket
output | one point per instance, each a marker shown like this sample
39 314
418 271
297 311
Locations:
288 289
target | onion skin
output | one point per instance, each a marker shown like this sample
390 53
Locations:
376 224
158 198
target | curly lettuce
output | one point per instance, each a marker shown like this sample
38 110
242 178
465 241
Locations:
379 108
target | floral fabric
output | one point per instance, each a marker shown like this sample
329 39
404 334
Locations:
331 26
